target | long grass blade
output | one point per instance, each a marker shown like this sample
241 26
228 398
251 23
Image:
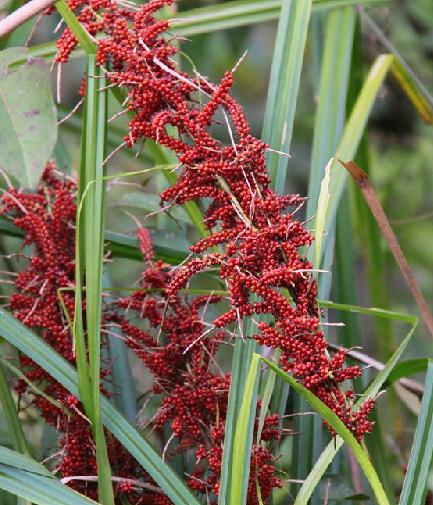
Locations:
322 210
238 492
353 132
328 454
77 28
39 490
25 477
18 439
284 85
243 12
22 462
241 360
93 218
332 95
423 103
334 421
408 368
415 482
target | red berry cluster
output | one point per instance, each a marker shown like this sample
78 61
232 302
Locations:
193 396
193 390
257 238
47 218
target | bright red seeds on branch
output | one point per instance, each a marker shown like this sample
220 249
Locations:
175 345
260 240
261 262
47 218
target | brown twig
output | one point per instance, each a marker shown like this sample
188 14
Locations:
372 200
411 385
23 14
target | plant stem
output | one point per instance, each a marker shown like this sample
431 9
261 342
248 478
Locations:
22 15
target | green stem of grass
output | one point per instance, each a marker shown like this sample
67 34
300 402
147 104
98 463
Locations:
89 263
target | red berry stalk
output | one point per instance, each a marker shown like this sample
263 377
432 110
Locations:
193 390
258 238
47 218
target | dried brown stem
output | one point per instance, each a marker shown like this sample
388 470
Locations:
411 385
372 200
23 14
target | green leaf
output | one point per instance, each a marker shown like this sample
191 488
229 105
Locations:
246 416
22 462
334 446
41 353
332 95
371 311
408 368
89 255
10 412
241 359
322 210
354 130
27 117
266 400
411 86
284 85
415 481
25 477
39 490
77 28
225 15
21 375
338 426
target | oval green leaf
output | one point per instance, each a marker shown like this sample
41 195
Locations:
28 119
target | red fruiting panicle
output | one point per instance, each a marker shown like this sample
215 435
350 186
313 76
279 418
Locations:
261 238
47 218
259 245
177 350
